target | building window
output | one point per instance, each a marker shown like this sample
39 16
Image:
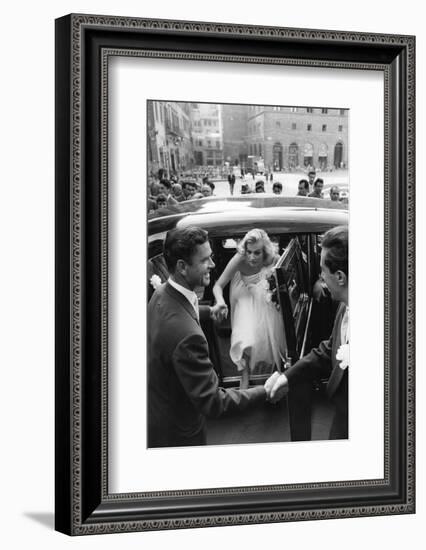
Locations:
217 144
293 126
293 109
324 127
342 112
278 124
340 128
309 110
309 127
260 149
324 111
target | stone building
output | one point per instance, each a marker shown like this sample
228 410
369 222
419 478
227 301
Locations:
169 137
207 134
235 134
288 138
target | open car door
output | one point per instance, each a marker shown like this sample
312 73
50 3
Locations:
291 276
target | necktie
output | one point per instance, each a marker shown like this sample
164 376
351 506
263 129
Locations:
195 306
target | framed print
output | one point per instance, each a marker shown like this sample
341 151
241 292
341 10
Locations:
209 178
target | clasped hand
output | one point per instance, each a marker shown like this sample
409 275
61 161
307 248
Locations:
276 387
219 312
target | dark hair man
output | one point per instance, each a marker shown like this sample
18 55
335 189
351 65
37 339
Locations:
331 358
303 188
165 187
317 192
311 177
183 388
260 186
189 188
277 188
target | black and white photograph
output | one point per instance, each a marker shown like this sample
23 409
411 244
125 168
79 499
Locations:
247 273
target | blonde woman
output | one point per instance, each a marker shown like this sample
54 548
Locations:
258 337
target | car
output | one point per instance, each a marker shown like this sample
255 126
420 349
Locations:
296 224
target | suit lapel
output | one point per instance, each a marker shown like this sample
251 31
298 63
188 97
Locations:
337 372
183 301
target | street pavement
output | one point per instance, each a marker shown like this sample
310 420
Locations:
289 181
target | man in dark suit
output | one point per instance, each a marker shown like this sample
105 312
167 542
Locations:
330 359
183 388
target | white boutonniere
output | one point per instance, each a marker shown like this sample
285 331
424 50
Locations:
155 282
342 355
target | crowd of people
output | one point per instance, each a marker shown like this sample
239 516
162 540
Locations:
164 192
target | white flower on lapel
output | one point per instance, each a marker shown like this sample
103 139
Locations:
342 355
155 282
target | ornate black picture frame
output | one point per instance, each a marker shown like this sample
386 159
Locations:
84 43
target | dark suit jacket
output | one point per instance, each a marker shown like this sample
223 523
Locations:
320 363
183 388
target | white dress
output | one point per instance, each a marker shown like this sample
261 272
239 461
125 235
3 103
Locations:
257 326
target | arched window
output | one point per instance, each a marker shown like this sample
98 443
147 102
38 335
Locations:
277 156
323 156
308 154
293 155
338 155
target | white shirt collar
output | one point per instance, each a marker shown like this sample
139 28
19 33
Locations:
189 294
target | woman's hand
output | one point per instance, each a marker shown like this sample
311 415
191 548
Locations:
219 312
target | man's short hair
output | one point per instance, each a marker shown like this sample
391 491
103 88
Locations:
318 180
336 243
180 244
167 184
277 185
305 183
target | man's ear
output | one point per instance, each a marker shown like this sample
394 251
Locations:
342 278
181 267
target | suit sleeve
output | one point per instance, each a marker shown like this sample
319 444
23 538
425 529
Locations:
196 373
318 363
314 366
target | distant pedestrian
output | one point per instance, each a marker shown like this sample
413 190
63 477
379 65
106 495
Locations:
177 192
335 193
303 188
206 190
271 176
311 179
317 192
231 181
189 189
277 188
161 201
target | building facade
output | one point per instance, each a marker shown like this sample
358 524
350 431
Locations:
291 138
207 134
235 134
169 137
186 136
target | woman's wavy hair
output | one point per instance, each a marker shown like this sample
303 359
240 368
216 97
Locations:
270 249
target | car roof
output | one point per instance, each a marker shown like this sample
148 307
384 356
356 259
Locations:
224 216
